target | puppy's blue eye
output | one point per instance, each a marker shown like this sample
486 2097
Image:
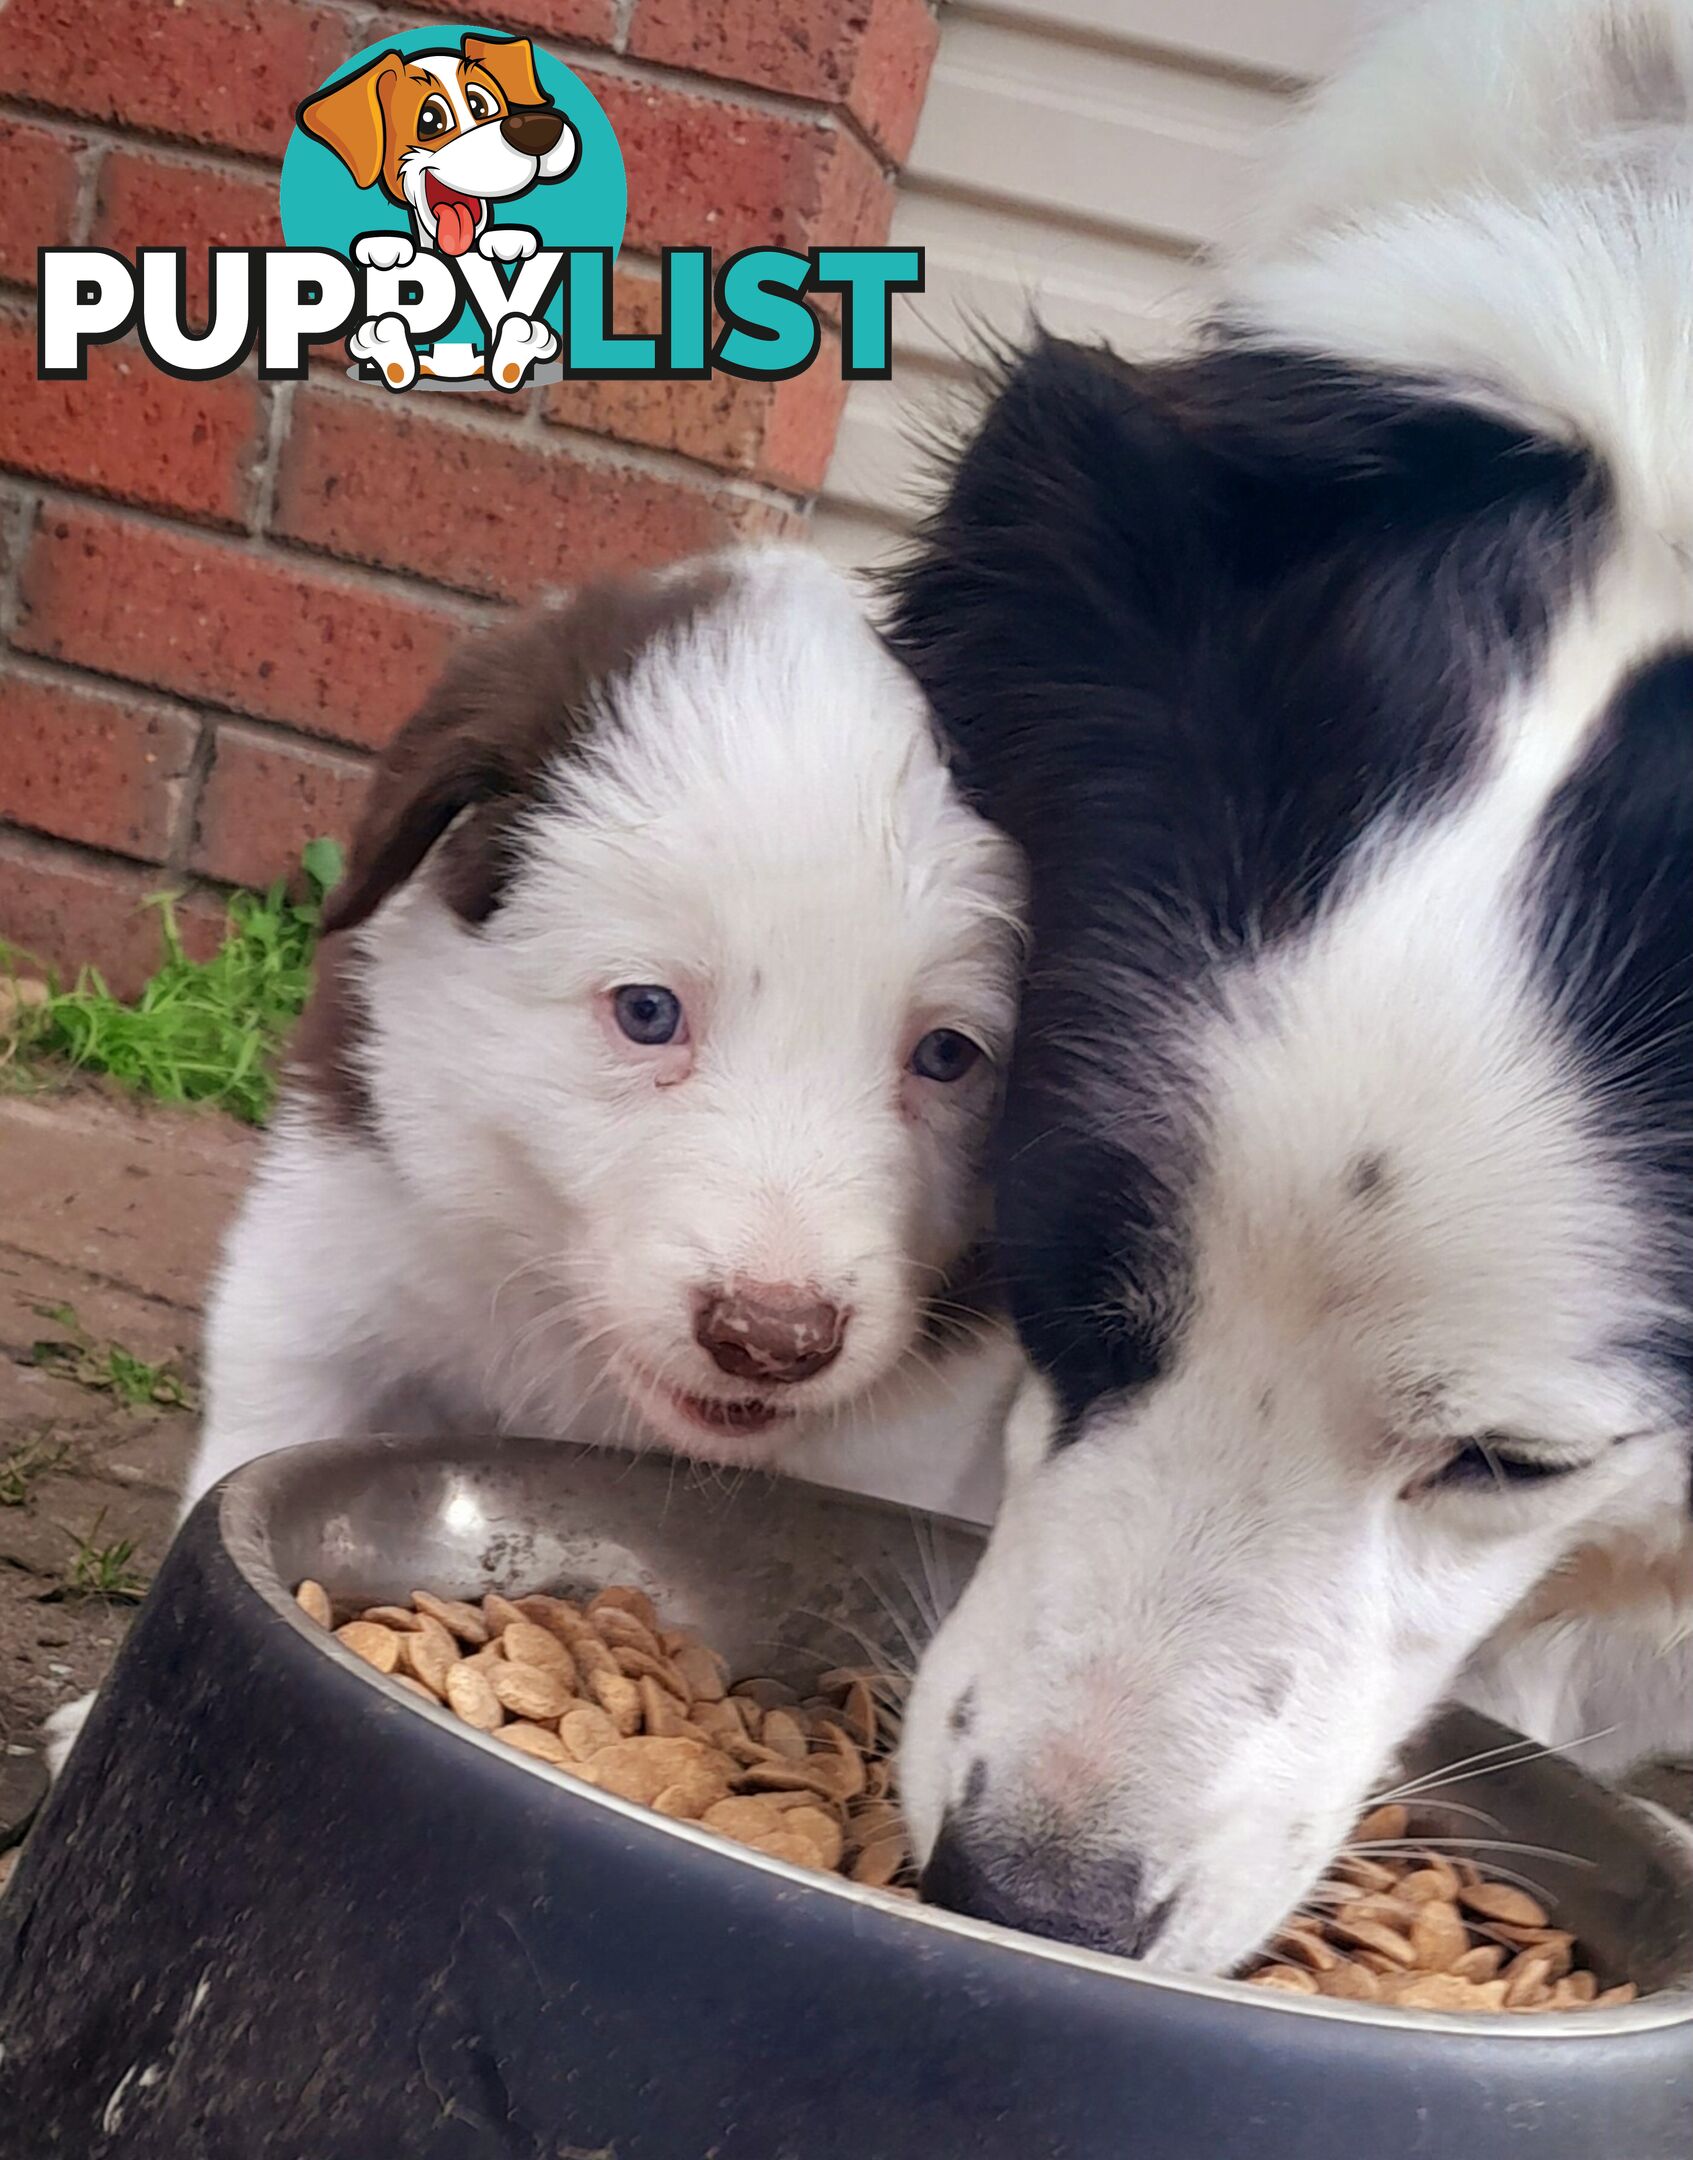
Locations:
647 1013
944 1055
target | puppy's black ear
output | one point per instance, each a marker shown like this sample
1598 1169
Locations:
510 708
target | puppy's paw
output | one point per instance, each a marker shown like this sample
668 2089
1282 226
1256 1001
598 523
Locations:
507 243
386 344
520 346
383 250
61 1730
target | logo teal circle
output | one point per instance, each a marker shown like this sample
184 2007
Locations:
324 207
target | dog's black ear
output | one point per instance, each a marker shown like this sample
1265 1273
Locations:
1152 576
464 770
1064 562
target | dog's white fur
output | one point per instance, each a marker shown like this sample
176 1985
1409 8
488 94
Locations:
761 820
1209 1623
767 828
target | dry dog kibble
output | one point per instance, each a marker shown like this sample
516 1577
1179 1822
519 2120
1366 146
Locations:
536 1692
1422 1931
609 1694
470 1695
370 1640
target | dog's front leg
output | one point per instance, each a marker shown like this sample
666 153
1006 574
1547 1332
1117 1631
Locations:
303 1328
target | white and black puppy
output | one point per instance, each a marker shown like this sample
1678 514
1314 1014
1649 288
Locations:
1337 682
650 1061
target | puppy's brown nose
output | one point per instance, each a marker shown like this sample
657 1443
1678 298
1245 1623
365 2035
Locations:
534 133
770 1332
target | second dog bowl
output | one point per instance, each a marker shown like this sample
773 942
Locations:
279 1910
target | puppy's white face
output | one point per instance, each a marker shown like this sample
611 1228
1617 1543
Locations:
1399 1379
725 1053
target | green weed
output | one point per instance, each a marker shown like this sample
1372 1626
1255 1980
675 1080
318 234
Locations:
201 1030
21 1468
109 1368
104 1570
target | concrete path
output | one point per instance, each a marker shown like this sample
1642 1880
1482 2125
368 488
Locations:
111 1214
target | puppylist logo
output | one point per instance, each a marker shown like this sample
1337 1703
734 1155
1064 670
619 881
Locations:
452 203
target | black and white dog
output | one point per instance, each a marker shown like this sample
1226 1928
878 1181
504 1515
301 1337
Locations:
1337 681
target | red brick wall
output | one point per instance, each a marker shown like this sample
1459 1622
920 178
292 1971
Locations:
217 600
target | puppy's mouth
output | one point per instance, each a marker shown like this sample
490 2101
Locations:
751 1415
457 216
711 1425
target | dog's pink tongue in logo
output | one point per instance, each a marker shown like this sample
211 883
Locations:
456 216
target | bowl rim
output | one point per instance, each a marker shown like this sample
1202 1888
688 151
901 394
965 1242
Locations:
241 1531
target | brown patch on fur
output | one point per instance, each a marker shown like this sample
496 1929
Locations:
1629 1573
323 1056
509 705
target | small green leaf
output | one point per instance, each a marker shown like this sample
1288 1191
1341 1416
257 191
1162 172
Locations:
323 863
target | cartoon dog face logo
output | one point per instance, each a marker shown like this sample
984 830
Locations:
447 133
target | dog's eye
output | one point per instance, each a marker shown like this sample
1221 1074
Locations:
1491 1462
945 1055
480 103
435 119
648 1013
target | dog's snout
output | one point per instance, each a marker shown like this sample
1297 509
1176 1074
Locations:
534 133
770 1332
1044 1885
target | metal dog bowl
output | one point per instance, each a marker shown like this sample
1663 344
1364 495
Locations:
279 1910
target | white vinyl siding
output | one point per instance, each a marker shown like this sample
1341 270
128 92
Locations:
1072 156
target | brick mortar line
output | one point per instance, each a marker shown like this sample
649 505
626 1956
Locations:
354 578
185 828
668 464
209 714
647 457
44 670
624 66
184 785
179 884
90 167
180 155
286 735
576 52
277 416
18 515
112 134
599 449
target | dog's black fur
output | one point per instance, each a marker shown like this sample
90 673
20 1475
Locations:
1192 630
